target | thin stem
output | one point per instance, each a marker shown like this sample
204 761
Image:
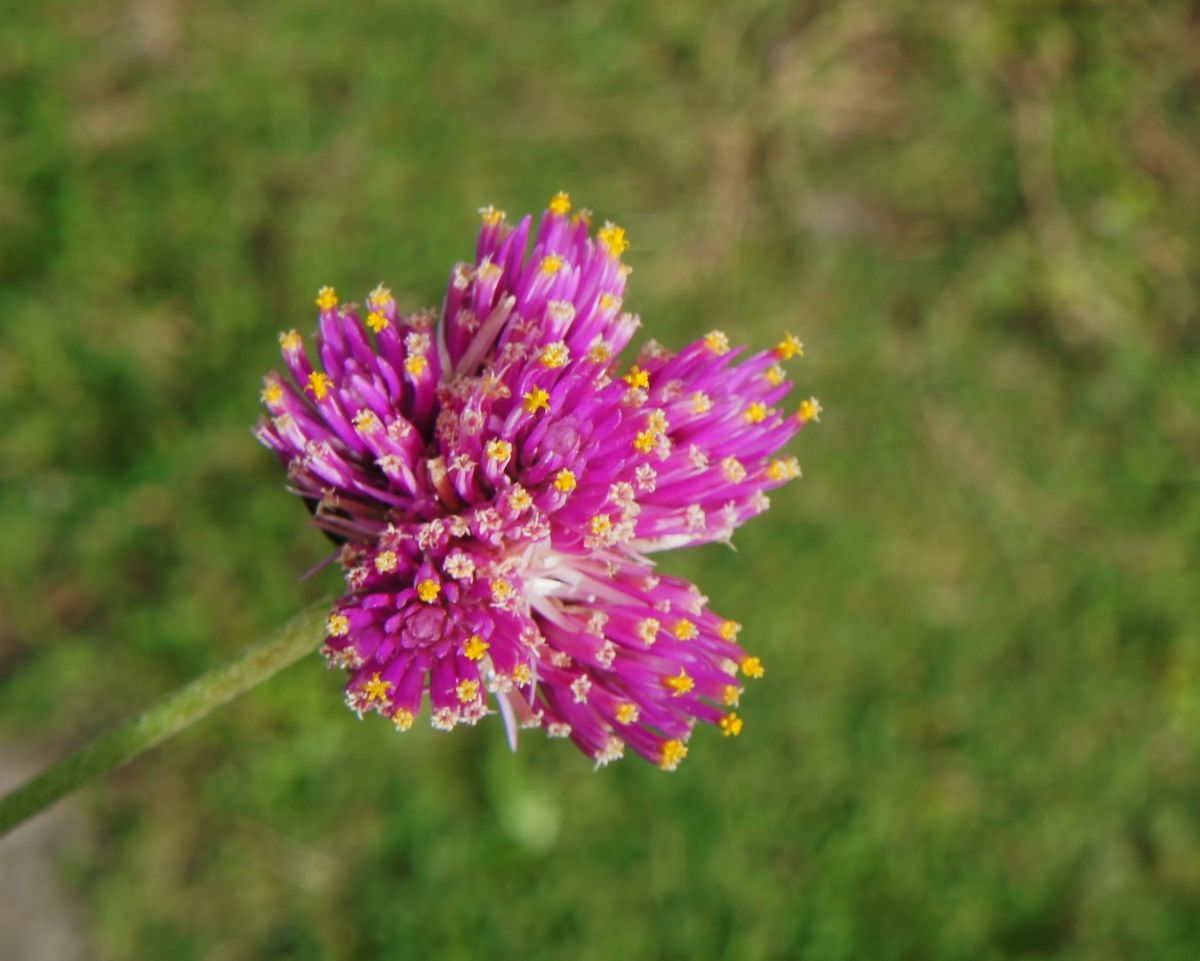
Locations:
169 716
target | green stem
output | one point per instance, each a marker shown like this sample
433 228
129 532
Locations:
169 716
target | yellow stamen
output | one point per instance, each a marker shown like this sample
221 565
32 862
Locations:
366 420
428 590
752 667
613 237
320 384
672 753
416 365
380 297
491 216
552 264
645 441
554 355
609 301
290 341
809 410
376 689
475 648
637 379
599 524
467 691
731 695
701 403
519 499
627 713
731 725
502 589
521 674
386 562
272 394
680 684
599 353
685 630
789 347
337 625
775 375
717 342
729 630
756 413
376 321
564 481
537 399
783 469
498 450
402 719
327 298
560 203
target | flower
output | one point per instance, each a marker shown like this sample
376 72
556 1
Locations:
497 486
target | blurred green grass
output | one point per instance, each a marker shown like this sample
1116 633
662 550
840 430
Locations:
979 734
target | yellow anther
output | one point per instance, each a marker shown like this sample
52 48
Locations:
491 216
789 347
521 674
731 725
609 301
599 524
337 625
428 590
290 341
733 469
380 297
783 469
554 355
752 667
376 689
467 691
613 237
685 630
560 203
535 400
326 298
564 481
729 630
672 753
717 342
386 561
552 264
403 719
376 321
416 365
519 499
657 421
774 375
272 393
582 216
502 589
679 684
637 379
498 450
627 712
320 384
366 420
756 413
731 695
599 353
701 403
645 441
809 410
475 648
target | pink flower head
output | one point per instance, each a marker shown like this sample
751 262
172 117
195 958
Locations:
499 487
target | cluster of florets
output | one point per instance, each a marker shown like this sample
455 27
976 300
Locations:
497 485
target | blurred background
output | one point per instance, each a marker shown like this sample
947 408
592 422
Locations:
979 732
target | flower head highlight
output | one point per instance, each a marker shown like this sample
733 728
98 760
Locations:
498 486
